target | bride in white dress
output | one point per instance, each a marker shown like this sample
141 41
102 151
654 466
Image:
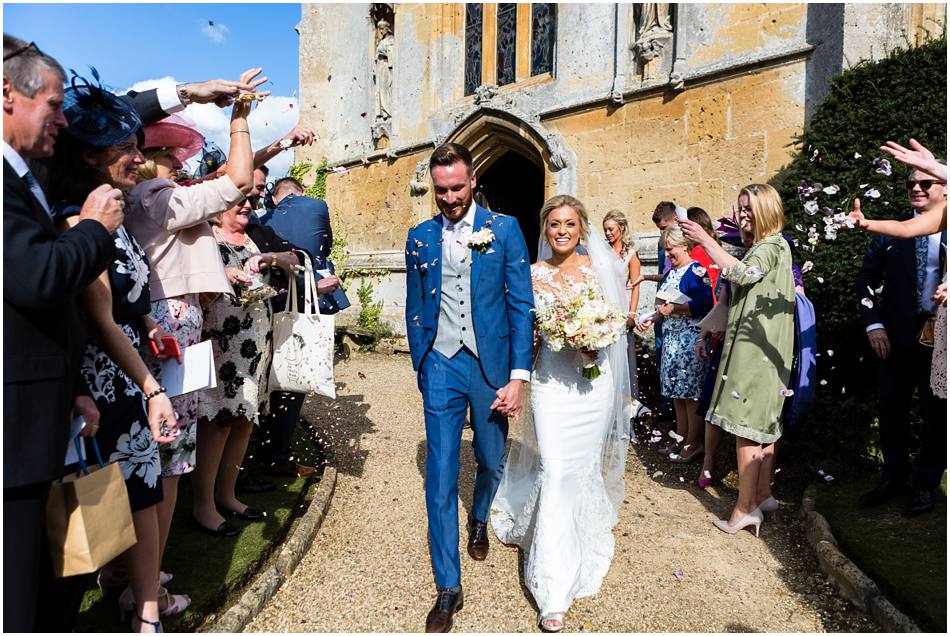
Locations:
563 480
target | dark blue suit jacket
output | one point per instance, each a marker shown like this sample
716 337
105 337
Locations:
891 261
502 298
305 222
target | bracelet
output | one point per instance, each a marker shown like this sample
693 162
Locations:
240 130
183 95
156 392
273 259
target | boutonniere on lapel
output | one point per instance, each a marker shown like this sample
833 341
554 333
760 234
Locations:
481 239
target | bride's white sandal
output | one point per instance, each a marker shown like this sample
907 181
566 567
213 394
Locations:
552 621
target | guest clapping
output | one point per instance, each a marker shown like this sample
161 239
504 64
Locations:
681 372
757 352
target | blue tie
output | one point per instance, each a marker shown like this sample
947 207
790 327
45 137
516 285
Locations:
37 191
922 243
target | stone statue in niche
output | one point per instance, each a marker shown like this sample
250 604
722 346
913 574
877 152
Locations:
420 185
384 70
654 30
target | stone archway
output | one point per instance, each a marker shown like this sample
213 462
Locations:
512 159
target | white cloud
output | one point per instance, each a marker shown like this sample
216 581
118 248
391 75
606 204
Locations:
215 31
271 119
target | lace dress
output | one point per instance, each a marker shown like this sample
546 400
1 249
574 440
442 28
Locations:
565 526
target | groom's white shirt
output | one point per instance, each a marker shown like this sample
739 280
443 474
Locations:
457 236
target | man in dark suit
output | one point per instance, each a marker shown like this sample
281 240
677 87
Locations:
43 274
909 270
305 222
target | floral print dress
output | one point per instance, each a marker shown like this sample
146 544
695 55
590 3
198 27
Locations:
241 341
681 372
124 435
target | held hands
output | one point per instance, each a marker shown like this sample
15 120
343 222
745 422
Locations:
105 204
85 407
880 343
161 419
222 92
510 399
256 263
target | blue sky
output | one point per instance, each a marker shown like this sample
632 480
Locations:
128 43
133 45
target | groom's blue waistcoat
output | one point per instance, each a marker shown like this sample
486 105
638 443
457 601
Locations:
501 297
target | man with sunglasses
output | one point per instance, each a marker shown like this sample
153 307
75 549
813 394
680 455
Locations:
910 271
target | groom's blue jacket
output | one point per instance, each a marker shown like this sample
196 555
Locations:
502 300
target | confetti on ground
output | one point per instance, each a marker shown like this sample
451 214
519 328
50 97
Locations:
735 395
658 473
679 575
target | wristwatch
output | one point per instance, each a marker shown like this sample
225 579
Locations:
183 94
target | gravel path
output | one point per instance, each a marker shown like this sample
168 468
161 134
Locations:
369 569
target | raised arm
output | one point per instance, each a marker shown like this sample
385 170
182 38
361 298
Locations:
930 222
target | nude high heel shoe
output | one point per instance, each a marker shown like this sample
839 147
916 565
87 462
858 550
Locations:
754 518
769 504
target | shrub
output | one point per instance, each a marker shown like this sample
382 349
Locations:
370 316
901 96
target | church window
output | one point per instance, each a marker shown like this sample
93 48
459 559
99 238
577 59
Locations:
543 35
507 18
473 47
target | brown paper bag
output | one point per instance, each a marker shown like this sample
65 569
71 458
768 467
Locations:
89 520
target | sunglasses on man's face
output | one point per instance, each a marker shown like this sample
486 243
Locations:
254 201
925 184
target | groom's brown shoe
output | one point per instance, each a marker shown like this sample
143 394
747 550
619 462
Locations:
439 620
477 539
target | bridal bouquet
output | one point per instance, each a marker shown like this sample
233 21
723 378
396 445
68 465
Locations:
580 320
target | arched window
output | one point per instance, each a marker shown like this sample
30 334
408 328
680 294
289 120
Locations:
473 47
506 43
543 35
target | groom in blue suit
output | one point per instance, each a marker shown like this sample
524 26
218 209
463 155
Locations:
469 322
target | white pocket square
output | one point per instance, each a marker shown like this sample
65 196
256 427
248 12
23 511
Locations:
491 250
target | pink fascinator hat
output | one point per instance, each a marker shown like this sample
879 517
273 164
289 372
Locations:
174 132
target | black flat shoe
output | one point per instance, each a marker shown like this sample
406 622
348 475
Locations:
248 483
249 514
223 530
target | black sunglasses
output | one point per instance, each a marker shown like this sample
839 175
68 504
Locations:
254 201
23 49
925 184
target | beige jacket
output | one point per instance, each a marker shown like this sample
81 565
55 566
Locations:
171 224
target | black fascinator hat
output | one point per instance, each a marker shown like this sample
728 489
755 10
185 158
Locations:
96 116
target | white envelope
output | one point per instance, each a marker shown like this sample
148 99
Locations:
673 296
72 456
195 373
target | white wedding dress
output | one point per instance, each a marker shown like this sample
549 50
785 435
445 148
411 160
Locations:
563 480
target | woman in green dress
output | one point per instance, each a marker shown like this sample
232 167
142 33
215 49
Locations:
756 359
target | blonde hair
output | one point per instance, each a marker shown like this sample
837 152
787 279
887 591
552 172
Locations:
673 236
561 200
626 241
767 210
149 170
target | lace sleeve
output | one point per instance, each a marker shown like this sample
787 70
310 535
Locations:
753 268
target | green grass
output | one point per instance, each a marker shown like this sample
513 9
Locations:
906 557
211 570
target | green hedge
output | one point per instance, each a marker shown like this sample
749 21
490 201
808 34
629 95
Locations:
901 96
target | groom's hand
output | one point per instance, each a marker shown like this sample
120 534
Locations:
510 399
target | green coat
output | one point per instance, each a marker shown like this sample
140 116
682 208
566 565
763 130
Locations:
756 361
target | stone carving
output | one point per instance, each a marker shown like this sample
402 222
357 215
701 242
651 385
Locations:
382 129
485 93
419 184
559 157
654 30
384 70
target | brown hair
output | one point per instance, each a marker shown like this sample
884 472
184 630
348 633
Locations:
767 210
447 154
664 211
288 185
626 241
561 200
700 217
